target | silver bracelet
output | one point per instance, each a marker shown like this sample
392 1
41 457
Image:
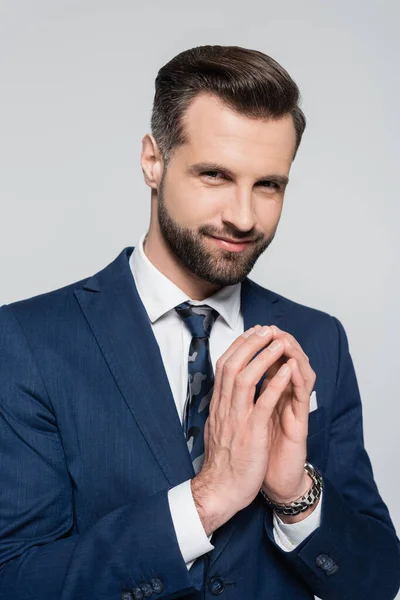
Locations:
304 502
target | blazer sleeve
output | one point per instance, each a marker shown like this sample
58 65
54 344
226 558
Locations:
41 554
354 554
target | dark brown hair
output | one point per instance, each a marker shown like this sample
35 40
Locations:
247 81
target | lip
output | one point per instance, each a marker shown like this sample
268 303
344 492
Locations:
225 239
230 245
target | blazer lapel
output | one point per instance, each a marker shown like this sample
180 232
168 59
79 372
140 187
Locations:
118 320
259 306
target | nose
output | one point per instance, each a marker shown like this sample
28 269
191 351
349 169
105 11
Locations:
239 211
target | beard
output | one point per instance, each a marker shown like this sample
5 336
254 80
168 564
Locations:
217 266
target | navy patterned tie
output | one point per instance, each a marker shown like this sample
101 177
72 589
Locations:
199 320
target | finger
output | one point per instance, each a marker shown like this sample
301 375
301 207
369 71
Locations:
245 382
267 401
301 397
294 350
291 340
233 366
223 358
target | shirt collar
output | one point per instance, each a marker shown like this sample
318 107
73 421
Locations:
160 295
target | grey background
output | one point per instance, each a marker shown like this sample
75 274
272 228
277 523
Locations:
76 87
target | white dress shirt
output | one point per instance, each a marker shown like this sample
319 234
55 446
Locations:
159 296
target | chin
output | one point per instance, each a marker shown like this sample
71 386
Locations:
224 276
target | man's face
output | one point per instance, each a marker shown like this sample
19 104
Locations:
228 181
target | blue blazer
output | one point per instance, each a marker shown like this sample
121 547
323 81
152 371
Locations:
91 442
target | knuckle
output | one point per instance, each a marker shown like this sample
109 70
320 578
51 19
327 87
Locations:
224 400
219 365
241 382
251 341
228 369
287 339
218 375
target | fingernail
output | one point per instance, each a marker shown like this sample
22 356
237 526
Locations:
247 333
283 370
264 330
274 346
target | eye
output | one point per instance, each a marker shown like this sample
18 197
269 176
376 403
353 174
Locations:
215 176
268 184
212 175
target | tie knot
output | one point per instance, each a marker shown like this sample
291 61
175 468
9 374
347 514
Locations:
198 319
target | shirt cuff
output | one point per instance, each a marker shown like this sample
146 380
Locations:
192 539
289 535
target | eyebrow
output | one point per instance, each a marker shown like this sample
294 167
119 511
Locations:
198 168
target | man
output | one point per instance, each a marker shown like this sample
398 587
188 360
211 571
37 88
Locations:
169 428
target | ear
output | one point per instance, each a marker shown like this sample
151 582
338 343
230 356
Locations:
152 162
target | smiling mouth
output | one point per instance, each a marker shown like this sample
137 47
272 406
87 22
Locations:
224 239
232 246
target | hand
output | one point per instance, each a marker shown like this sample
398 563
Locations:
238 434
285 479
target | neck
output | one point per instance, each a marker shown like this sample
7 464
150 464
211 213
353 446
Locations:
160 255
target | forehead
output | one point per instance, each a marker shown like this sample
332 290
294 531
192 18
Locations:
215 131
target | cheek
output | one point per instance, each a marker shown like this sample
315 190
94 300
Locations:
192 205
268 212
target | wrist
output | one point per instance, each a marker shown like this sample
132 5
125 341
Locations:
211 509
301 504
304 486
291 519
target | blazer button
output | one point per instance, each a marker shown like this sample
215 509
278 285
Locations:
137 594
126 596
147 590
157 585
324 562
216 586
